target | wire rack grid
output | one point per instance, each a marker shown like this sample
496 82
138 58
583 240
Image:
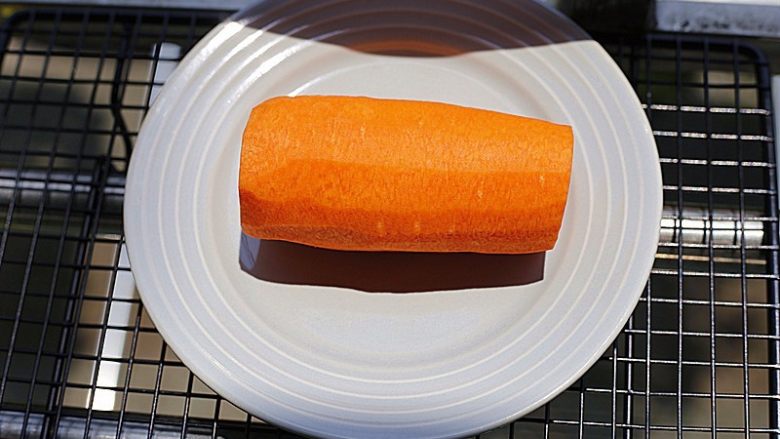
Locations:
79 357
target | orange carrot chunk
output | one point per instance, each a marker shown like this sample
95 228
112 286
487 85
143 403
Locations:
356 173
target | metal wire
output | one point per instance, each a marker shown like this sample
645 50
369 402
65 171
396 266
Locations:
80 357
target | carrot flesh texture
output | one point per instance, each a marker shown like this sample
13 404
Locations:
356 173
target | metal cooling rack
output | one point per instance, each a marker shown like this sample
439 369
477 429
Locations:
79 357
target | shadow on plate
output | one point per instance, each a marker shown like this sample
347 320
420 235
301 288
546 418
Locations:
395 272
411 28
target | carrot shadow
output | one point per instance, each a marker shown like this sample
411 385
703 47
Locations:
395 272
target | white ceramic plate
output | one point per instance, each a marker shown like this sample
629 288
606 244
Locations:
342 363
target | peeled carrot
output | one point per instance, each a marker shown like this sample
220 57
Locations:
356 173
